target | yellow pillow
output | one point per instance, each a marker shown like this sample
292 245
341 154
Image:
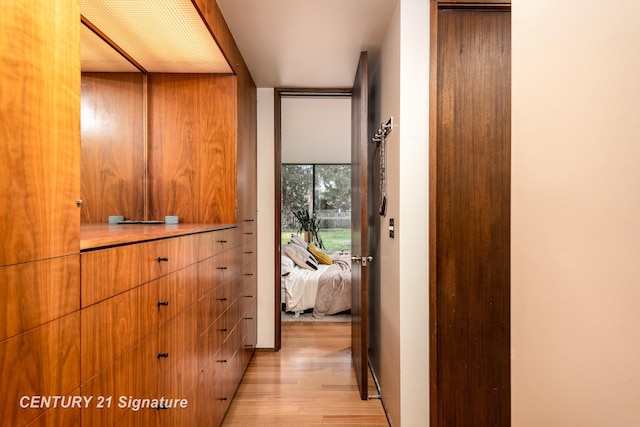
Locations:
319 255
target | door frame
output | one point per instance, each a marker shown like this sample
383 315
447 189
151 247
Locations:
280 93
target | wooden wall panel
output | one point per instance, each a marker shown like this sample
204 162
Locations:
247 149
471 369
39 130
113 152
192 147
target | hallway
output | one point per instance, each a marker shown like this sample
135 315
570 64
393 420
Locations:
310 382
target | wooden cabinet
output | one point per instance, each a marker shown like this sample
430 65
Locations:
40 138
43 361
90 321
39 218
173 328
249 296
247 217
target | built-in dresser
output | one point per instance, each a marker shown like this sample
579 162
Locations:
168 314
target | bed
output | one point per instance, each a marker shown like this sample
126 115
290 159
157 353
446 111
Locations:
325 288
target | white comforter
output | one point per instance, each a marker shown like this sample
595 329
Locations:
300 287
326 290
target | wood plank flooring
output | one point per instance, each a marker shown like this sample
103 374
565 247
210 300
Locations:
310 382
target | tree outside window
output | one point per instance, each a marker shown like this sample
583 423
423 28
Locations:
323 189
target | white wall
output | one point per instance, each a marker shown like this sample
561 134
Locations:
266 218
384 319
400 87
576 213
413 223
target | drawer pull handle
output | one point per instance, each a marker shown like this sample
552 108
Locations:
248 274
222 398
248 296
222 268
249 233
223 330
248 318
249 252
223 299
165 303
249 220
163 355
222 241
162 407
222 360
160 259
248 345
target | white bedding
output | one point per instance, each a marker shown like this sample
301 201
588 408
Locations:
300 287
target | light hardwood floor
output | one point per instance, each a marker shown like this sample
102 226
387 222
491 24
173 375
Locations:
310 382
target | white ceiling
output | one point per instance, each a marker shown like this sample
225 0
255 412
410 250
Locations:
306 43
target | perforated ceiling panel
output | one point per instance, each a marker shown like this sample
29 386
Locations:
98 56
165 36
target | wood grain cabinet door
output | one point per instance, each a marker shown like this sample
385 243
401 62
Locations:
44 361
37 292
40 138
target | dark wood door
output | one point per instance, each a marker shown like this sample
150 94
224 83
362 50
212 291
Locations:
470 322
359 229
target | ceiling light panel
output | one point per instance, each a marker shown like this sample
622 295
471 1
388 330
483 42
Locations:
163 36
97 56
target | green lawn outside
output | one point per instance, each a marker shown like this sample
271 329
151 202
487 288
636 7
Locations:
334 239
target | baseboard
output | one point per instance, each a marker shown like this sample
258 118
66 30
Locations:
379 396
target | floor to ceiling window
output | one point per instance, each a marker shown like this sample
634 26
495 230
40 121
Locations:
323 190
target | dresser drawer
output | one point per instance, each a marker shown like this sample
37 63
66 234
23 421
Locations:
176 381
209 345
133 374
212 305
249 252
175 292
215 271
249 232
108 272
182 416
114 326
226 266
161 257
214 242
176 337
